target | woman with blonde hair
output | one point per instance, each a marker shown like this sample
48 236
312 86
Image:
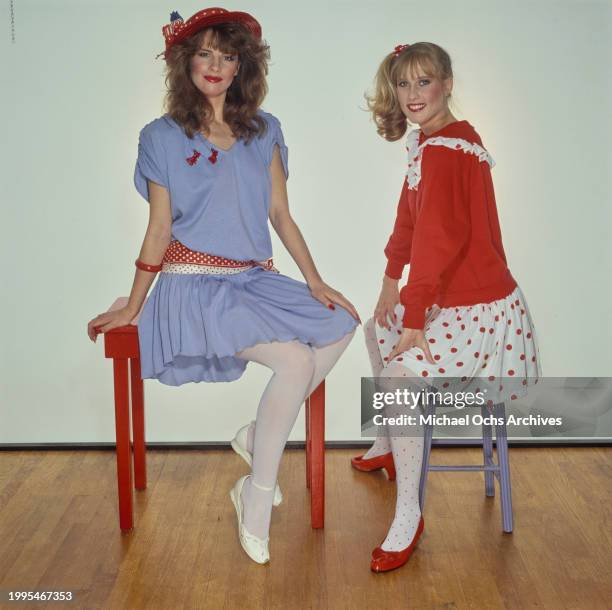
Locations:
461 315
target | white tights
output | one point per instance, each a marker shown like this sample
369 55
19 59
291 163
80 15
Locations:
382 444
407 454
297 370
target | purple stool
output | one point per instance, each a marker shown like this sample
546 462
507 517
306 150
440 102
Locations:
501 470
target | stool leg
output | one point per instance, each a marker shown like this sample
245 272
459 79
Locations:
317 456
501 441
138 425
487 450
122 432
308 443
428 437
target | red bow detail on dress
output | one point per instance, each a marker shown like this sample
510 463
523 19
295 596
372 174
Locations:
193 159
268 265
213 155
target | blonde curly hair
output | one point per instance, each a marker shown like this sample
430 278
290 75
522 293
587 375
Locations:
424 57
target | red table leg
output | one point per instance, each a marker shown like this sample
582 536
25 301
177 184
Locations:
138 426
122 430
308 444
317 456
121 344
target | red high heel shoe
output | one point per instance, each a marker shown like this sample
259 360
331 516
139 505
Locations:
377 552
383 561
376 463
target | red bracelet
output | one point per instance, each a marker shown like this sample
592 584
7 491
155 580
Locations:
145 267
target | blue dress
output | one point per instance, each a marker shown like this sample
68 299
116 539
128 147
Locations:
192 325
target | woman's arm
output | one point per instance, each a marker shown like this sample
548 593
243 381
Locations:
441 231
399 246
285 226
156 240
292 238
154 245
397 251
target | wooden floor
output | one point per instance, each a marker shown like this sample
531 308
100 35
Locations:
59 531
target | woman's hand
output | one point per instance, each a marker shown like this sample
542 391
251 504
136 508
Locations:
412 337
109 320
388 299
328 296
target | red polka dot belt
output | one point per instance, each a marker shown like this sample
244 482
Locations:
181 259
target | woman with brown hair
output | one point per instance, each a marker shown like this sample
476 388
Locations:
213 169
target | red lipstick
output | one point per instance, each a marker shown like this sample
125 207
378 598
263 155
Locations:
213 79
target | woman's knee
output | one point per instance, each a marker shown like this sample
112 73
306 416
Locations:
298 359
369 329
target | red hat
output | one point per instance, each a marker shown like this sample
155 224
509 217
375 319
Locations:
177 30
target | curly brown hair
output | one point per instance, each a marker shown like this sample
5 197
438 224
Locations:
427 57
190 108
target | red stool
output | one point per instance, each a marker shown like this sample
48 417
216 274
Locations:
121 344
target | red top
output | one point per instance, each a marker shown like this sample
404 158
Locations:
447 226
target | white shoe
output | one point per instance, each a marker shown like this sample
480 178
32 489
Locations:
239 445
256 548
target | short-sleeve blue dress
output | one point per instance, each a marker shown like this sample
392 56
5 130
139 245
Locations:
192 325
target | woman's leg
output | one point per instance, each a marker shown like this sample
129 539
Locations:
293 366
324 360
382 444
408 459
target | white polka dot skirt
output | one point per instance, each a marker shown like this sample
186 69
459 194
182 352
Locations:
494 343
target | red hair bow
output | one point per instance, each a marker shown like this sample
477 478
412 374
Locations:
399 48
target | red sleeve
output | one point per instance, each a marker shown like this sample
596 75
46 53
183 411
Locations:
481 186
399 245
441 230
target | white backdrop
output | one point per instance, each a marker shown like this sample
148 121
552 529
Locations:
81 80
